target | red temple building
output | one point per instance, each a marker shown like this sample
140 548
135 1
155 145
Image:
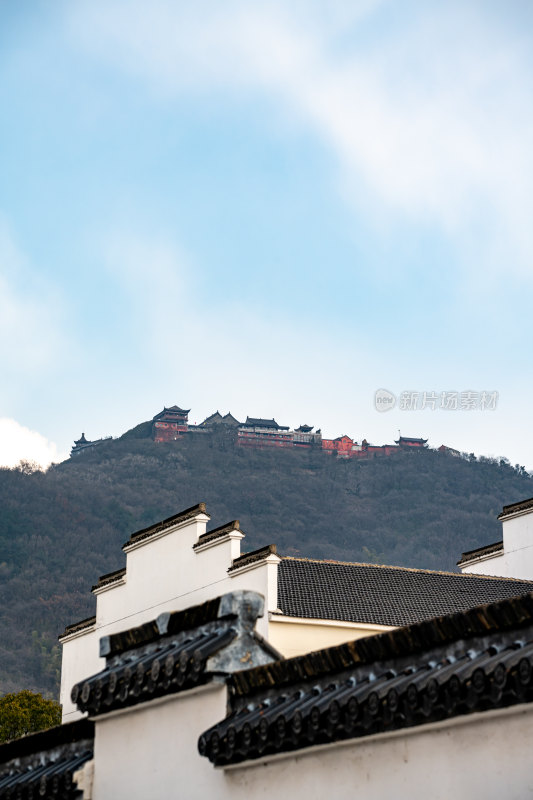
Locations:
377 450
170 424
342 445
451 451
347 448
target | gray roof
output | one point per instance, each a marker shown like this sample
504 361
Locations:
479 552
458 664
383 595
178 651
43 764
515 508
259 422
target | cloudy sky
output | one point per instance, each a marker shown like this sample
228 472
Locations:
273 208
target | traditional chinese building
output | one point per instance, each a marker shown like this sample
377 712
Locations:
182 677
258 432
304 436
407 441
342 445
512 556
218 419
83 444
170 424
451 451
377 450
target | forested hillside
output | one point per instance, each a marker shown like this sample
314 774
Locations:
61 529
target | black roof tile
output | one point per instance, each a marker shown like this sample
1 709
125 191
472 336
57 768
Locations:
255 555
43 764
109 578
178 651
383 595
457 664
218 533
152 530
78 626
478 552
515 508
258 422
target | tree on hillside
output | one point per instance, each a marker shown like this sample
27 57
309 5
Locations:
26 712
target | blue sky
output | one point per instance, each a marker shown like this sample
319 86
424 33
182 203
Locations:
273 208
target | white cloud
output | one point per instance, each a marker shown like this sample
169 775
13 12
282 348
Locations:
19 443
430 120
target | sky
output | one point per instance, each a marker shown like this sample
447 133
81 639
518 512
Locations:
276 209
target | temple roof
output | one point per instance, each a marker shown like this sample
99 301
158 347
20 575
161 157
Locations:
409 439
259 422
172 410
218 419
304 429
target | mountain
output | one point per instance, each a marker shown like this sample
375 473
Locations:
61 529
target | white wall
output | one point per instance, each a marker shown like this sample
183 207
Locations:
518 546
487 757
164 574
516 561
495 565
150 752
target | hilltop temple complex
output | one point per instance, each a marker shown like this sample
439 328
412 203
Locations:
171 424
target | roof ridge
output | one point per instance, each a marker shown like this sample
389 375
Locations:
157 527
403 569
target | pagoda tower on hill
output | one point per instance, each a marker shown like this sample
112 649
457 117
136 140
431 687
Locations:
170 424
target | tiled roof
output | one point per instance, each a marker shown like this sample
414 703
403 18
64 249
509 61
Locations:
43 764
218 533
479 552
217 418
383 595
152 530
177 409
516 508
254 555
258 422
229 419
454 665
109 578
177 651
78 626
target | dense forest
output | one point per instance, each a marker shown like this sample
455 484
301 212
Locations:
61 529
